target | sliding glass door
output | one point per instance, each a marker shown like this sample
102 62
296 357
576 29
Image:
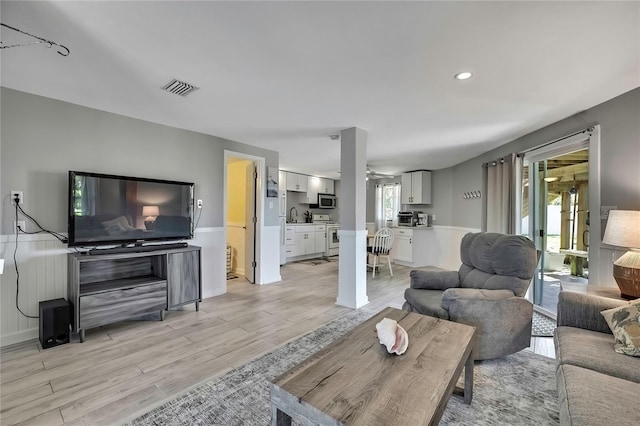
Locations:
555 211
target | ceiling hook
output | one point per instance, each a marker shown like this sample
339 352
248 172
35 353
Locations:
49 43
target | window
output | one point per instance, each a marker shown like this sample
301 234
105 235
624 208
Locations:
84 196
387 204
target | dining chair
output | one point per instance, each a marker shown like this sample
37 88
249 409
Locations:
381 247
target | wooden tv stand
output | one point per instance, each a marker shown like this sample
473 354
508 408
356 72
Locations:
109 288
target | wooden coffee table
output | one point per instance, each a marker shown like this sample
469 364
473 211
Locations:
355 381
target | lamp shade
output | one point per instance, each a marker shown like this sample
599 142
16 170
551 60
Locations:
623 229
150 211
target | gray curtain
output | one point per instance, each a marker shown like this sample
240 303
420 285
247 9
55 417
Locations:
500 187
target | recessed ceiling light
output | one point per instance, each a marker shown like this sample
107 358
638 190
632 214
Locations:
463 75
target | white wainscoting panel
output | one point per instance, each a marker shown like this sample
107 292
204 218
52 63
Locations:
352 269
447 245
269 261
605 260
42 265
214 260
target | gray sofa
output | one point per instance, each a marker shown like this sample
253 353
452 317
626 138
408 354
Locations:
486 292
596 386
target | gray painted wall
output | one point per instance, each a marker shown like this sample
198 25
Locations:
42 139
619 119
620 175
441 197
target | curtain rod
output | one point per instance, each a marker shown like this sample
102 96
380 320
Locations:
587 130
500 160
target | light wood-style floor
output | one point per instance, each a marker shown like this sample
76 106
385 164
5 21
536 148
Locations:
128 368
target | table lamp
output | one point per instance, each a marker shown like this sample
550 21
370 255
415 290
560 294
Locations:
623 230
152 212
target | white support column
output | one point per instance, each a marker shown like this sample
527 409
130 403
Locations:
352 276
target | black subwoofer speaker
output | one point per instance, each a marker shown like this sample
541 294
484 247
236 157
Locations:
55 317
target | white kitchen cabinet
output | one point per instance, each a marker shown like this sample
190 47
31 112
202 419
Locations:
290 241
305 243
297 182
310 196
403 242
282 193
316 185
321 238
413 247
416 187
306 240
326 186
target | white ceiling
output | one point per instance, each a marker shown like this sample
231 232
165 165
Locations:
287 75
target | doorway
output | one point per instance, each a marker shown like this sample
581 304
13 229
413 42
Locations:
559 190
241 217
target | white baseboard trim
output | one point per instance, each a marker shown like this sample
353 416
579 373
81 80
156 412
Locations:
19 337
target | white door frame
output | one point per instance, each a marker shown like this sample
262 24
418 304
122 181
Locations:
260 195
589 138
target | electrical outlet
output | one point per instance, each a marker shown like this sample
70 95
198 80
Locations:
604 211
199 204
19 195
433 217
21 224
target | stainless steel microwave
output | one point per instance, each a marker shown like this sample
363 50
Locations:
327 201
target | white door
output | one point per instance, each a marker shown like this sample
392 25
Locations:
250 223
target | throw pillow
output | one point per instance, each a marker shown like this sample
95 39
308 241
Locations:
624 323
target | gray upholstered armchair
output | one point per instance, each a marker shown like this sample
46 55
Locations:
486 292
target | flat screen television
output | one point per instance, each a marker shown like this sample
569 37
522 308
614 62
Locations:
122 210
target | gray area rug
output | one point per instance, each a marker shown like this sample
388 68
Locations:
518 389
543 326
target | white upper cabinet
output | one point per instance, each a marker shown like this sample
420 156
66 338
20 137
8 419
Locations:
317 185
311 196
416 187
297 182
326 186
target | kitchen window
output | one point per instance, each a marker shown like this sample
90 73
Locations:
387 204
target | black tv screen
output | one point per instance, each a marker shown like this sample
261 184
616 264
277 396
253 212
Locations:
110 210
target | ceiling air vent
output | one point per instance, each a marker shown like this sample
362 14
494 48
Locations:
179 87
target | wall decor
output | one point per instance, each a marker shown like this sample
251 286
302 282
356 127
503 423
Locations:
272 182
471 195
